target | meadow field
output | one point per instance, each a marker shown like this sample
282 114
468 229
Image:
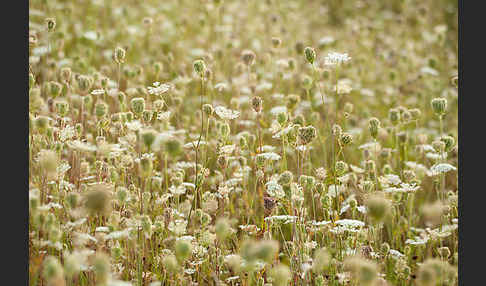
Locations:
243 142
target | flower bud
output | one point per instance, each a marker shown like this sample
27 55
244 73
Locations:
224 129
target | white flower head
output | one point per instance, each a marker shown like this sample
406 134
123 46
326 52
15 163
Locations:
159 88
334 58
97 92
226 113
275 190
442 168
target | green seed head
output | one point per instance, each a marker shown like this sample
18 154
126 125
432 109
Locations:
285 178
183 249
341 168
119 55
307 134
449 142
222 229
148 137
282 118
147 115
307 82
257 104
439 105
50 24
208 109
53 270
374 126
101 109
394 115
378 207
346 139
281 275
248 57
199 67
137 105
54 89
310 55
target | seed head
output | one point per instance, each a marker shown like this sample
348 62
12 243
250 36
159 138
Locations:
267 250
148 137
208 109
321 261
84 83
248 57
53 271
307 134
307 82
50 24
374 126
199 67
257 104
169 262
183 249
281 275
310 55
439 105
364 271
101 267
378 207
285 178
341 167
346 139
449 142
101 109
138 105
119 55
97 199
394 115
222 229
